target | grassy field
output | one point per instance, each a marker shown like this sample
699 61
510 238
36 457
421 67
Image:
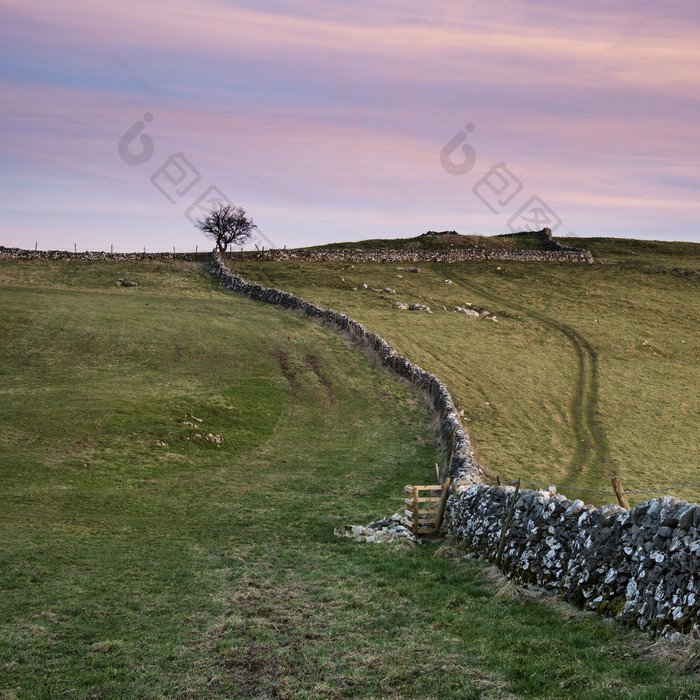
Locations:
173 461
590 370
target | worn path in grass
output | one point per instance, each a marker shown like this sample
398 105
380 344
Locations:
590 446
591 370
140 559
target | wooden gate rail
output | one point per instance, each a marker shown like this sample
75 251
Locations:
425 511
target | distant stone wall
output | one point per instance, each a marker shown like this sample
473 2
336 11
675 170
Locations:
425 256
556 253
640 566
21 254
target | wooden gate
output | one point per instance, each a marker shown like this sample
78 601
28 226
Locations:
425 507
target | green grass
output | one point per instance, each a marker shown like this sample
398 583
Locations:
139 561
590 371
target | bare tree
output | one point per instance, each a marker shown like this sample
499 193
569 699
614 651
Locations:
226 225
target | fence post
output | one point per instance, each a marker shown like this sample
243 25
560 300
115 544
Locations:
415 512
506 525
620 493
441 506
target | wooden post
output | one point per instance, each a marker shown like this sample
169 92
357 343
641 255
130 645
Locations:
441 506
111 248
498 479
415 512
437 472
620 493
506 526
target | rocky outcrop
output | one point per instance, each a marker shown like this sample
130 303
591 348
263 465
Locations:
546 236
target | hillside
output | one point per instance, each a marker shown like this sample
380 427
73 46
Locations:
174 459
589 370
440 240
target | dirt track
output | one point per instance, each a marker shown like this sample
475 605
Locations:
590 447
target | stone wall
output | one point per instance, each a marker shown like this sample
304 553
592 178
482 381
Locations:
21 254
556 253
405 256
640 566
460 466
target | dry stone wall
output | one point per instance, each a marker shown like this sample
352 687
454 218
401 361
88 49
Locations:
403 256
98 255
461 466
641 566
556 253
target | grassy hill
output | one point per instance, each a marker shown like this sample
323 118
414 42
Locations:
442 240
173 461
589 371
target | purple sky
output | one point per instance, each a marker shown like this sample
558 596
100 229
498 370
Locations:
326 120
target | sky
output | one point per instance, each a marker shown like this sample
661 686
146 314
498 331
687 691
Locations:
124 122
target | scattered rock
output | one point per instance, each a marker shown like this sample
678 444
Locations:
392 529
415 269
469 312
447 281
401 306
420 307
389 290
125 283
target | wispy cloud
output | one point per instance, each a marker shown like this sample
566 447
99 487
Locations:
335 113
